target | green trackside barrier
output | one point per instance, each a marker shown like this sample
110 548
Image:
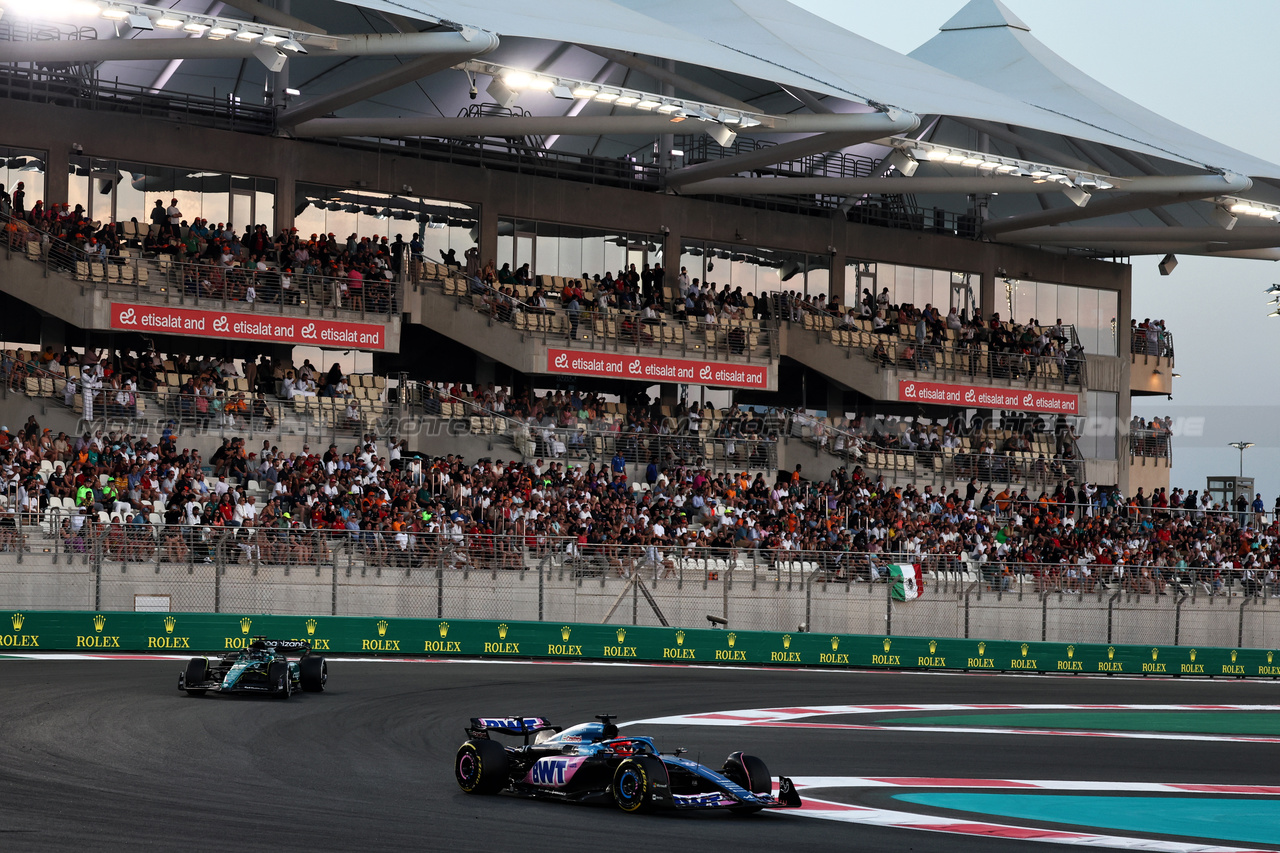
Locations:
217 632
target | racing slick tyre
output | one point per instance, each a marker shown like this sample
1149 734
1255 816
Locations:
313 672
278 679
633 785
197 673
749 772
481 767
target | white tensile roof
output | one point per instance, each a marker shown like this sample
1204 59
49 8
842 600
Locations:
983 65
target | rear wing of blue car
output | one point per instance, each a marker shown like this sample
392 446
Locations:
527 726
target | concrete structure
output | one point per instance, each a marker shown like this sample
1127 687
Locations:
1028 186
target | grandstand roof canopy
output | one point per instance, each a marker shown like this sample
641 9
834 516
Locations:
1075 163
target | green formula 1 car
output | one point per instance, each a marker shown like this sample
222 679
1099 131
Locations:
261 667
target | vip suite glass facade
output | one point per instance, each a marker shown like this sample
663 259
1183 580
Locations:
918 286
1092 311
756 270
119 190
550 248
443 225
25 166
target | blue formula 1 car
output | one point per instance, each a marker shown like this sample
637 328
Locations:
593 763
263 666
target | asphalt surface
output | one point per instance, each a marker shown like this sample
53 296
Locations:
108 755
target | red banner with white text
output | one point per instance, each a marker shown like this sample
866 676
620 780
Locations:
656 369
227 325
979 397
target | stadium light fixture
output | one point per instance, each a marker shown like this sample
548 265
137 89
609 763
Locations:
144 16
559 86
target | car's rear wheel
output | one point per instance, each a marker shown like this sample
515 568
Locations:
632 786
278 679
481 767
314 672
197 673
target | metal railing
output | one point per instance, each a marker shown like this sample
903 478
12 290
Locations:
869 449
891 347
164 281
1150 443
611 330
679 443
234 413
1160 345
26 82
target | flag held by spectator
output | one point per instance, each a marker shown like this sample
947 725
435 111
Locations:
907 581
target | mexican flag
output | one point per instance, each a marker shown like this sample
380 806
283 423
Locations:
907 581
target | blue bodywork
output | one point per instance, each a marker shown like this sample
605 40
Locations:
578 764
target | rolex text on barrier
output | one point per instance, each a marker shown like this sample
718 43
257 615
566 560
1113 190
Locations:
655 369
228 325
979 397
202 633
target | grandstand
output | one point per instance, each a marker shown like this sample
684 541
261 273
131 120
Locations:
641 246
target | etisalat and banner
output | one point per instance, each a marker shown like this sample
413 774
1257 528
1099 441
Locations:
204 633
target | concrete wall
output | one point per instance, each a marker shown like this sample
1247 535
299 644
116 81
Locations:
763 600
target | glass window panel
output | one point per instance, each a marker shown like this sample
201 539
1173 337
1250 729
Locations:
264 208
548 255
1024 301
817 281
1087 322
1046 304
570 249
1069 304
1108 309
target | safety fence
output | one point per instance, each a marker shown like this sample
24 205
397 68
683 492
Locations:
491 638
370 575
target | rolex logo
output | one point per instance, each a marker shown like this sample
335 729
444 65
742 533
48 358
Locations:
1270 655
382 627
502 631
679 638
933 646
622 635
733 638
1233 655
1193 655
444 630
1155 653
98 622
169 622
311 627
565 631
982 648
17 619
786 641
1024 649
887 643
835 643
1071 651
1111 652
245 624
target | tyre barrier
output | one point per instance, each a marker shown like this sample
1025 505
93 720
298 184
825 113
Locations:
107 631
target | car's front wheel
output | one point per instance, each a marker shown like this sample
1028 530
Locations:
749 772
313 672
481 767
197 673
632 786
278 679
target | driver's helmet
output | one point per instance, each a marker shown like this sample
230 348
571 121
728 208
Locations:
624 747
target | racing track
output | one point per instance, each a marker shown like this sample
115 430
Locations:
107 755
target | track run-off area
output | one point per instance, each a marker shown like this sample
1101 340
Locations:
104 753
